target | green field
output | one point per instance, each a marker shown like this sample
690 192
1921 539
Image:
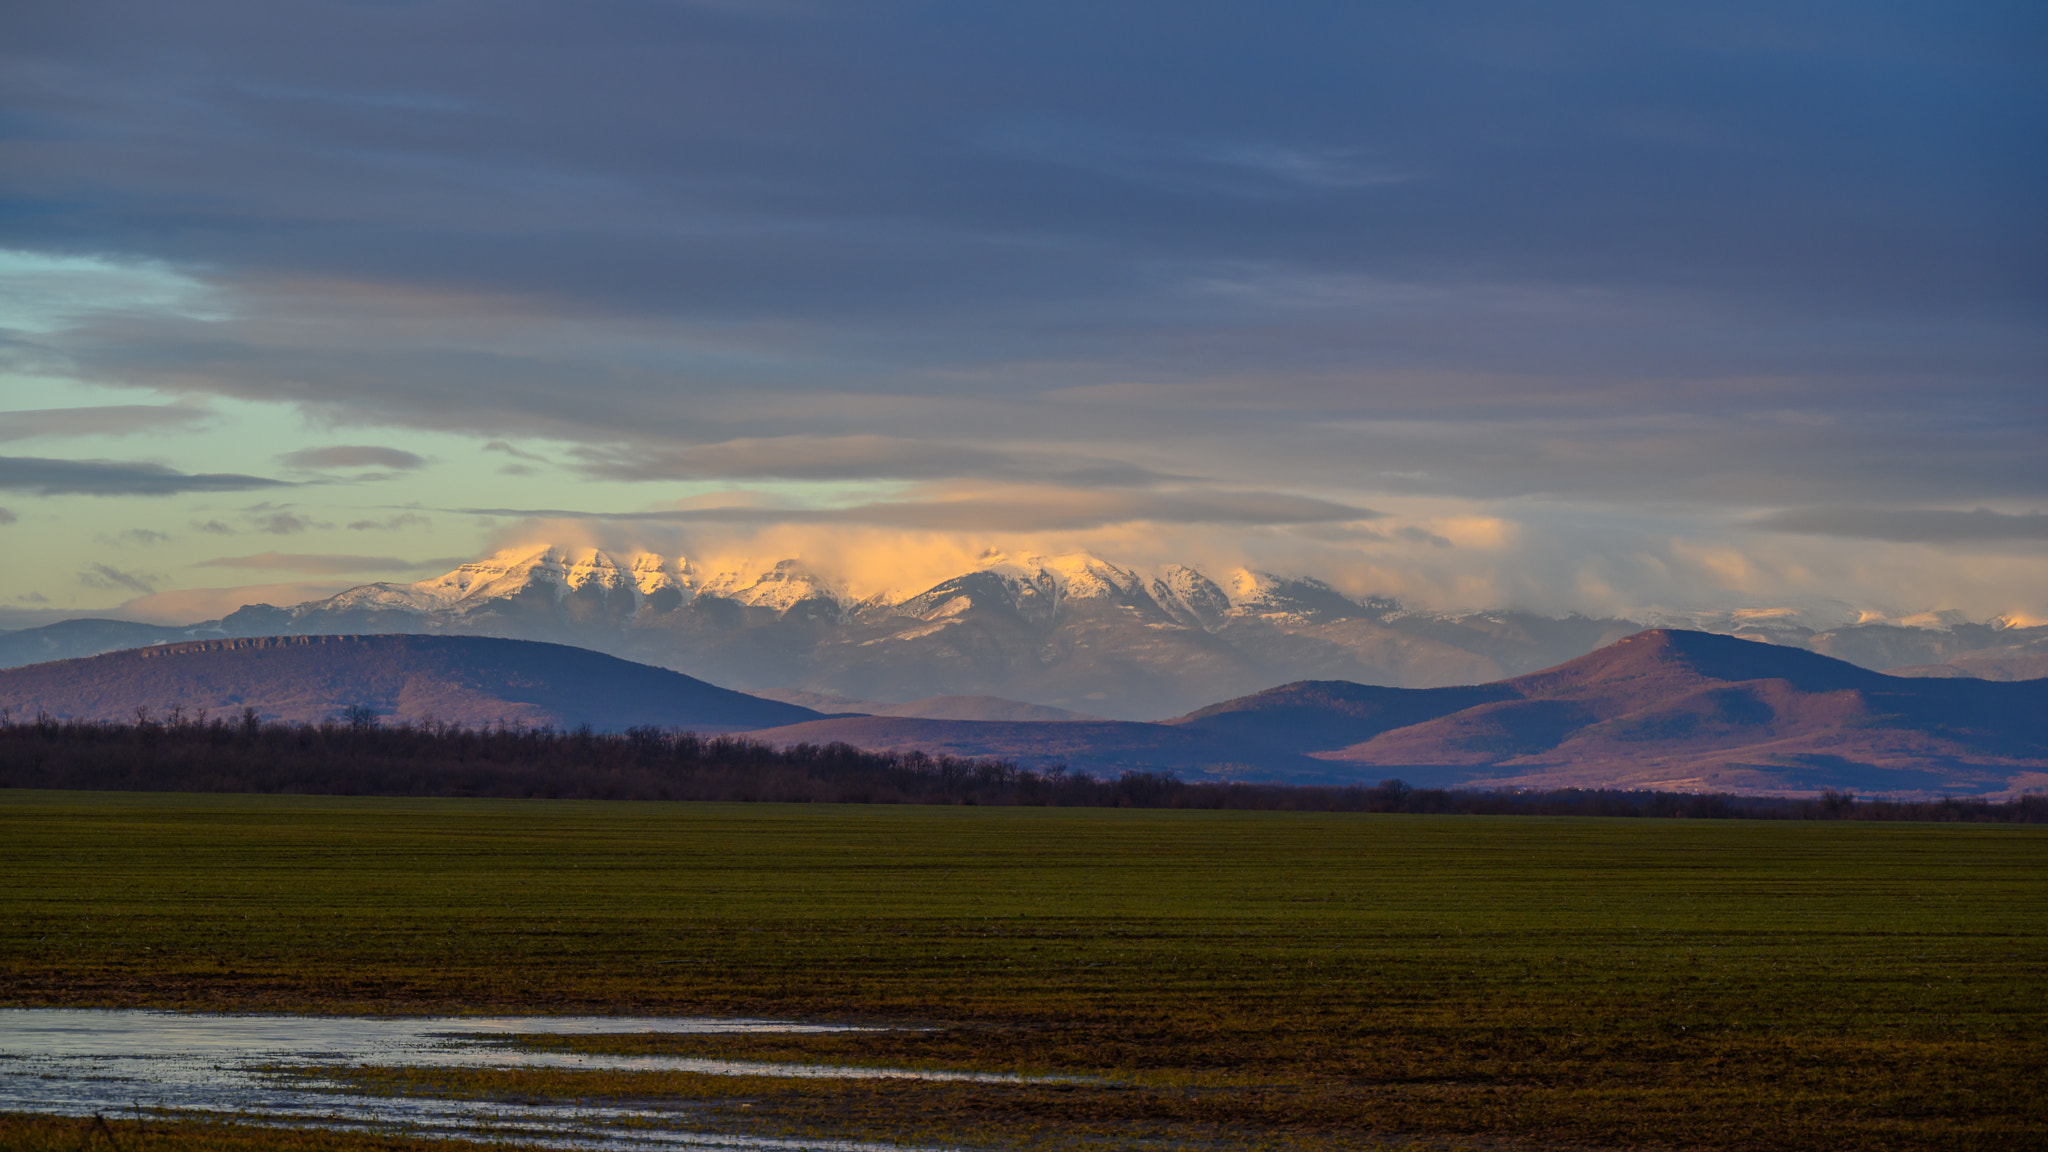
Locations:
1299 980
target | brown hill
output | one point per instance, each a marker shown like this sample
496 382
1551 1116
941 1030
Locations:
1311 715
1692 710
471 680
1688 711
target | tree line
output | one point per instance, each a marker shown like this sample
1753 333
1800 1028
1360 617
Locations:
356 755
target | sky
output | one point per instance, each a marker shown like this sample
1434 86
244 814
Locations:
1606 308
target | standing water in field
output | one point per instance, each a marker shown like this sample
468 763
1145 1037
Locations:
78 1062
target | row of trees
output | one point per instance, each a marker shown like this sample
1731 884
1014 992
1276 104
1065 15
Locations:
355 755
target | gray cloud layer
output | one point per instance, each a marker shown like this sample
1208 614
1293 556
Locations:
352 456
111 420
860 457
1912 525
1681 265
1023 510
115 478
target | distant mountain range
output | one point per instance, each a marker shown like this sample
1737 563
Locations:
1075 633
1663 709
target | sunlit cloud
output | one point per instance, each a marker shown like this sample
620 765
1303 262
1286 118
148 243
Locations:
1019 509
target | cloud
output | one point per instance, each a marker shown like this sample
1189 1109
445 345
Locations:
43 292
7 516
721 244
1018 509
111 420
114 478
863 457
1196 167
352 456
1413 534
511 450
1911 525
856 457
314 564
267 518
107 579
213 527
142 536
392 524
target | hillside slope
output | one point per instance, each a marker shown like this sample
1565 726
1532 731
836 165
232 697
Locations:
1691 710
471 680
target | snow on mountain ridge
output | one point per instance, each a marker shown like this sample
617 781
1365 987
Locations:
1190 597
1034 585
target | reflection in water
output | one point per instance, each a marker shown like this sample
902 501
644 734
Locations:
80 1061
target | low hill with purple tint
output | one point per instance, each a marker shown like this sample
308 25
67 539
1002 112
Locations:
471 680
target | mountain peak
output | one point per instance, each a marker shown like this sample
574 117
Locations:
1673 653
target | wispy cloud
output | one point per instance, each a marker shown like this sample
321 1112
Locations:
856 457
352 456
512 450
46 477
110 420
1016 509
282 523
391 523
106 578
1194 164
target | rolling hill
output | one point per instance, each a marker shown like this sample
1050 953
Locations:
1695 711
1663 709
472 680
1666 709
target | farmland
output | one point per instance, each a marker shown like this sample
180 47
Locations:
1302 980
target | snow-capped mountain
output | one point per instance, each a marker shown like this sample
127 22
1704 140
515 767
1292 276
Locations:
1076 630
1073 631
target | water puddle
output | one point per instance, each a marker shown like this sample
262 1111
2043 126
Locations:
80 1061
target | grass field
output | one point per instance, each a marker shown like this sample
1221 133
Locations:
1310 981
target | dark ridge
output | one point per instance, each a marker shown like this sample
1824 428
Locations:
81 637
469 680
